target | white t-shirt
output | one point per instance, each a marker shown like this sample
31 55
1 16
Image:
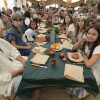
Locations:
29 33
62 20
96 68
35 16
79 36
71 28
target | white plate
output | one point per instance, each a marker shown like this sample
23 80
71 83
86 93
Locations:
42 25
75 60
42 30
59 49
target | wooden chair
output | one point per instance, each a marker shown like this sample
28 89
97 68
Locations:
86 98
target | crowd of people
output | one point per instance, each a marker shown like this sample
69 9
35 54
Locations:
81 26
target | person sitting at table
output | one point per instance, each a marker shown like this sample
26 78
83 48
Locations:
81 26
11 67
31 31
14 36
57 19
70 28
61 16
90 43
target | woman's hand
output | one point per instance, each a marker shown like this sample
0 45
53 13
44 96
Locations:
29 47
84 38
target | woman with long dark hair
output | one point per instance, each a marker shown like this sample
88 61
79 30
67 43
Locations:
90 43
70 28
81 26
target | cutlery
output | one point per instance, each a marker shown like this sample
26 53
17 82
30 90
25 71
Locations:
37 65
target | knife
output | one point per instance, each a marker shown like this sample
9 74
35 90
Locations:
37 65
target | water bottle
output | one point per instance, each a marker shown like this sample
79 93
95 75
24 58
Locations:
52 36
52 22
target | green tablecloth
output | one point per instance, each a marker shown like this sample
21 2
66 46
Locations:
36 77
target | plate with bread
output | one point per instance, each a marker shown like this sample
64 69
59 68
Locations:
42 30
56 46
75 56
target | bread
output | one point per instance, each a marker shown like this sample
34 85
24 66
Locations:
53 46
56 46
75 55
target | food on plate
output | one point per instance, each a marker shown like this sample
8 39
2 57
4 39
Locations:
75 55
36 48
56 46
42 36
41 29
53 46
40 40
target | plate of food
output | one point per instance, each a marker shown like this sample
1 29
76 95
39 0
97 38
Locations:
42 30
56 46
42 24
40 40
75 56
41 36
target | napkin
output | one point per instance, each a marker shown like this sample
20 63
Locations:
42 24
56 25
41 35
39 50
75 60
38 43
40 59
44 20
67 39
62 36
74 72
67 45
42 30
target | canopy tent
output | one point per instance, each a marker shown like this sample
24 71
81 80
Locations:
60 2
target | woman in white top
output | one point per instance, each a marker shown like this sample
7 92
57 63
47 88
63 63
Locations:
70 28
31 31
81 26
91 45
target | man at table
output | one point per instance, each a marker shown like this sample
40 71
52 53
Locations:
11 67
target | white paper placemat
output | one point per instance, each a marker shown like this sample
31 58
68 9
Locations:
39 50
74 72
67 45
40 59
